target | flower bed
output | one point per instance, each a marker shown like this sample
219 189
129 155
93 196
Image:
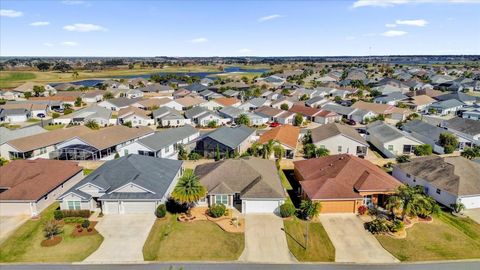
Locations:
80 231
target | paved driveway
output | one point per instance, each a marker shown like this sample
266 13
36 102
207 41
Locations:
265 240
352 242
8 224
473 214
124 236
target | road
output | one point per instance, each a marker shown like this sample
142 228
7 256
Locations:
461 265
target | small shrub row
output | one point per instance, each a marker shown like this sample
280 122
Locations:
73 220
60 214
380 225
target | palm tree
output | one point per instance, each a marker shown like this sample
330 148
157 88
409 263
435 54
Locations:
411 201
75 74
322 152
278 151
67 106
92 124
268 149
310 209
188 189
255 149
243 119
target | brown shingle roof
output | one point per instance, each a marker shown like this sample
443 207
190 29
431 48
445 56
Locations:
287 135
342 177
30 180
189 101
303 110
226 101
329 130
133 110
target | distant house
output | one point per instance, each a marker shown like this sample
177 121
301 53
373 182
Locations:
29 186
449 180
427 134
156 88
10 95
472 114
7 135
102 116
254 103
167 117
390 99
206 81
233 113
342 183
152 103
131 184
225 140
389 140
135 116
286 136
316 102
195 87
316 115
202 117
251 185
450 106
462 97
115 104
339 139
162 144
276 115
13 116
419 103
389 111
188 102
464 128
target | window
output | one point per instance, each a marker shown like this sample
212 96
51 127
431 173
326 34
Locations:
339 149
390 147
73 205
438 191
125 152
223 199
408 175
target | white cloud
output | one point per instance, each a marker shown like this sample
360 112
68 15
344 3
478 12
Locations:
199 40
48 44
269 17
394 33
390 25
245 50
350 38
419 23
10 13
84 27
40 23
73 2
69 43
390 3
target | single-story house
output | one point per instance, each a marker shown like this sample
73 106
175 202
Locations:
339 139
201 116
7 135
232 114
448 180
167 117
285 135
162 144
187 103
137 117
128 185
383 109
225 140
450 106
342 183
251 185
14 115
390 99
115 104
276 115
102 116
254 103
391 141
464 128
419 103
27 187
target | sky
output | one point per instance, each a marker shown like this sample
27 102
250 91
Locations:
239 28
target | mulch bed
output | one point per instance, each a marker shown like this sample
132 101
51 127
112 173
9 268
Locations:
51 242
80 231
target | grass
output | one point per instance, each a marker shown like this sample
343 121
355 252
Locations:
319 248
87 171
8 77
6 125
446 238
284 180
33 120
24 244
170 240
53 127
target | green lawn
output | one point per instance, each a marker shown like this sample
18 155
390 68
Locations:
24 244
170 240
87 171
53 127
8 77
284 179
447 238
319 248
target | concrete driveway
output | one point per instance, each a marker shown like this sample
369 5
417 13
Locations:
265 240
124 236
352 242
8 224
473 214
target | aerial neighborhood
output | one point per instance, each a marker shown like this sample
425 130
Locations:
209 160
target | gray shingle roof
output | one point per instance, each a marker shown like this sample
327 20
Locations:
123 101
231 137
384 132
425 129
445 104
8 135
162 139
467 126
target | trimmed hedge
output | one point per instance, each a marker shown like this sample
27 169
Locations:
59 214
73 220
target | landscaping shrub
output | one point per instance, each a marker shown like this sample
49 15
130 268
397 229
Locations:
287 210
76 213
362 209
377 226
86 223
73 220
58 214
161 211
396 225
217 210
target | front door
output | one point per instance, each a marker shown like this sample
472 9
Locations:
367 201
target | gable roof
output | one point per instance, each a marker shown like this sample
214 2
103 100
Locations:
231 137
124 112
342 177
386 133
251 177
122 101
224 101
333 129
189 101
464 125
303 110
114 135
285 134
30 180
268 111
162 139
8 134
456 175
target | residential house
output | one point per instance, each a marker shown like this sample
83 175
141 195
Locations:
419 103
7 135
116 104
162 144
317 102
427 134
203 117
276 115
167 117
254 104
13 116
389 111
188 102
233 113
135 116
27 187
339 139
286 136
390 141
225 140
131 184
251 185
462 97
464 128
102 116
342 183
390 99
450 106
449 180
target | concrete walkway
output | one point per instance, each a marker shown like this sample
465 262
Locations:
124 237
8 225
265 240
473 214
352 242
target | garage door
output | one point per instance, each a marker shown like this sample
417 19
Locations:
111 207
138 207
471 202
338 206
260 206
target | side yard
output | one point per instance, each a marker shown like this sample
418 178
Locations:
171 240
24 245
446 238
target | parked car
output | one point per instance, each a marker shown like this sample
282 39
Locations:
351 122
275 124
41 115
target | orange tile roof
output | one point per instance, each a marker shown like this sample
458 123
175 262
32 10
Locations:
226 101
287 135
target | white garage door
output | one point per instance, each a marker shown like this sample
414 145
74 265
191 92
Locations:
260 206
471 202
139 207
111 207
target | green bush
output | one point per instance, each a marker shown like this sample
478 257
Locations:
76 213
377 226
287 210
86 223
58 214
396 225
161 211
217 210
55 115
73 220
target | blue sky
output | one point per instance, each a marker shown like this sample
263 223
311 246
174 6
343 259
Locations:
238 28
